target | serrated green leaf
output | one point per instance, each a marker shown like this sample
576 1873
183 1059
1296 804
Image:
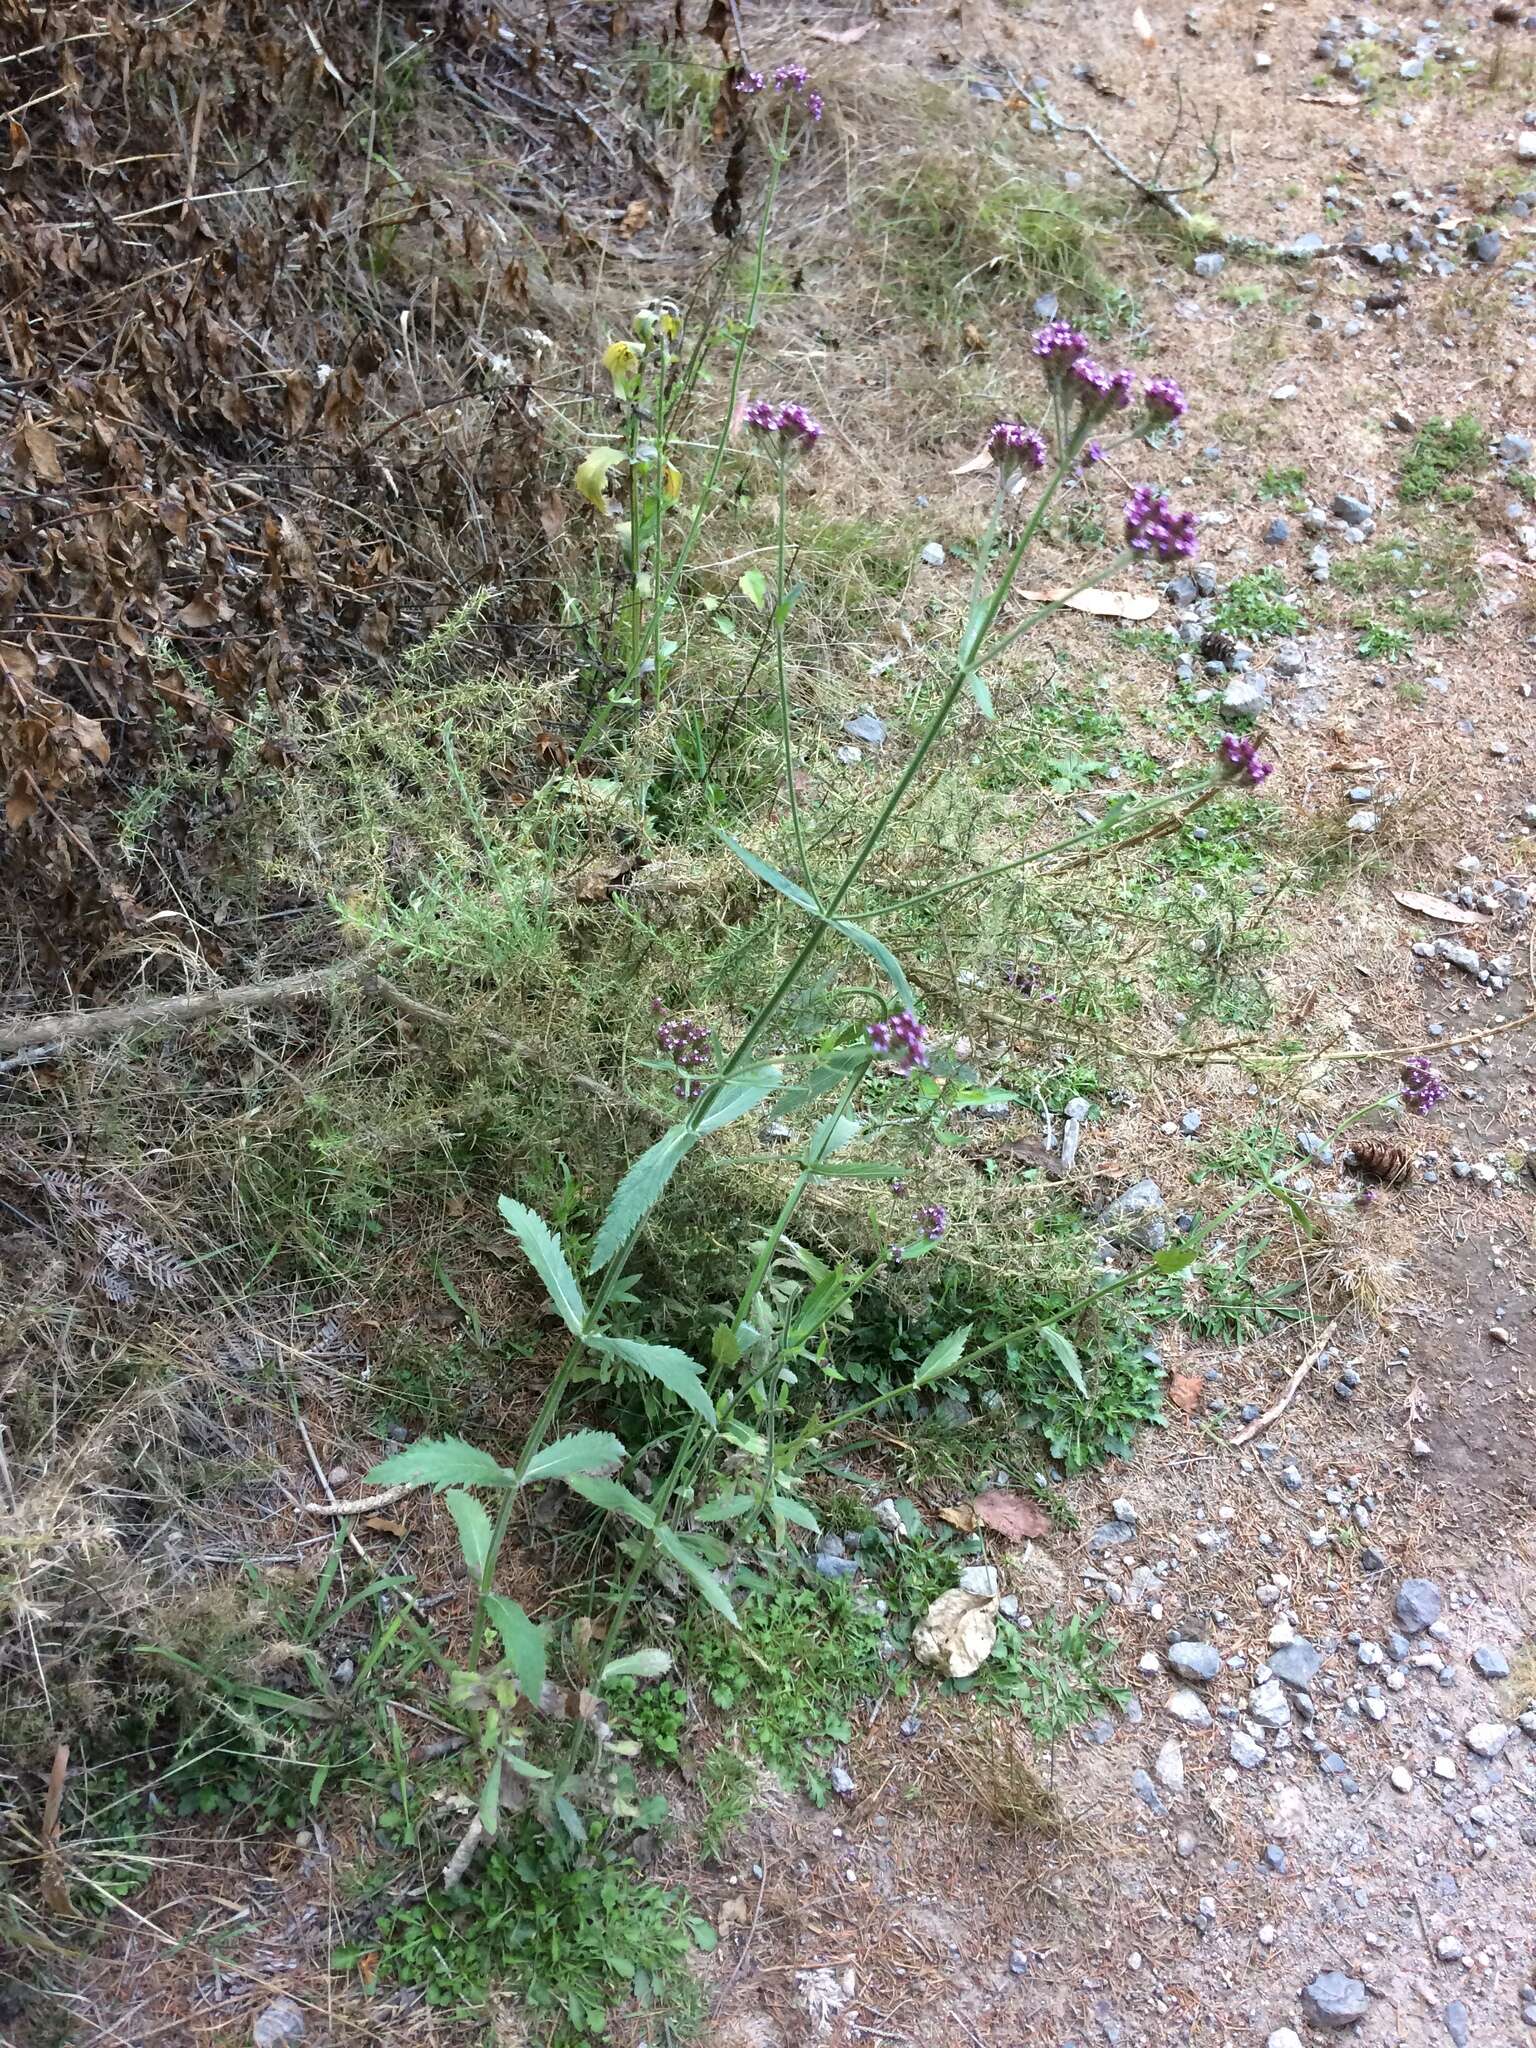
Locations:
574 1825
612 1498
724 1507
587 1450
1065 1353
639 1192
546 1255
474 1527
867 943
524 1642
704 1936
439 1462
832 1135
795 1511
687 1560
675 1370
944 1356
738 1098
638 1664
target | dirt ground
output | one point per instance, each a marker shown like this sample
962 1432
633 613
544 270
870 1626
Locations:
1187 1898
1155 1927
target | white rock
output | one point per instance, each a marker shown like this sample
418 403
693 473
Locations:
1487 1738
1443 1767
1402 1778
1169 1767
1189 1708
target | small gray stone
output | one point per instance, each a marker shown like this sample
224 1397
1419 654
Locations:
1245 696
1189 1708
1198 1662
1418 1605
1486 248
1170 1766
1457 2022
1353 511
277 2025
1278 532
1246 1753
1181 590
1450 1949
840 1781
1309 244
1288 660
1190 1122
1490 1663
1411 67
1274 1858
1109 1534
1018 1962
1311 1146
1210 264
1296 1662
1136 1217
1147 1792
1333 2001
1515 449
1284 2037
980 1579
866 727
829 1567
933 554
1268 1705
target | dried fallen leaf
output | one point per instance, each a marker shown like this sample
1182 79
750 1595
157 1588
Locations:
1186 1390
385 1525
975 466
973 338
55 1891
1435 907
637 215
962 1518
1014 1516
1146 35
957 1633
1103 604
734 1913
841 35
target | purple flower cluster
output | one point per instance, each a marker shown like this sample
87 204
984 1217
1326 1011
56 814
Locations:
902 1037
687 1045
794 78
1164 400
1241 756
1152 527
791 425
1057 347
932 1221
1014 447
1100 391
1423 1088
750 82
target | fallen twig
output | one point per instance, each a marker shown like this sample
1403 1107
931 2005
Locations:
1166 197
70 1027
1292 1387
362 1504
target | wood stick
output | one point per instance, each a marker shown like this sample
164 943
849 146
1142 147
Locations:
1292 1387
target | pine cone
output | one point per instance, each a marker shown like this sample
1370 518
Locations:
1217 646
1377 1159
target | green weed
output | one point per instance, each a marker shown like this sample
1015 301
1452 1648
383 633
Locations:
1442 465
1255 607
1054 1674
1286 487
573 1934
1384 643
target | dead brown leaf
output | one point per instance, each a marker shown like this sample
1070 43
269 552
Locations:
385 1525
38 453
1013 1516
637 215
962 1518
1435 907
975 341
1103 604
1186 1390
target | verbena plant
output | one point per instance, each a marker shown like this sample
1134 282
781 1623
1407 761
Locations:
736 1459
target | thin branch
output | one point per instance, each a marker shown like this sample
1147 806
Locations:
72 1027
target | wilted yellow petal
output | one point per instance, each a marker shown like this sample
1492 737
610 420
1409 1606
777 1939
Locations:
621 359
592 475
671 483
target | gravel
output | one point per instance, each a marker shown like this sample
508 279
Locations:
1418 1606
1268 1705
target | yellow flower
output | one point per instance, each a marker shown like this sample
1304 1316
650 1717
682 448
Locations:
592 475
622 360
